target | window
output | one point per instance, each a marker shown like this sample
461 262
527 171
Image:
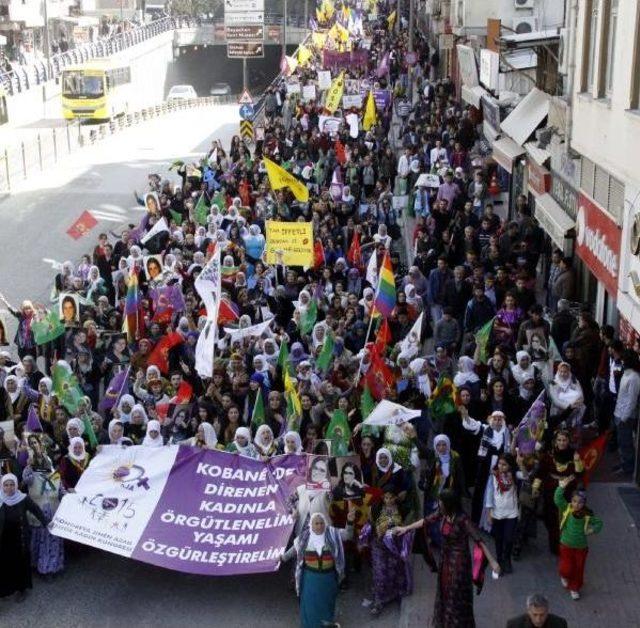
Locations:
590 44
609 61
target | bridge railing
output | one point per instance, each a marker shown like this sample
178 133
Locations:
24 77
33 157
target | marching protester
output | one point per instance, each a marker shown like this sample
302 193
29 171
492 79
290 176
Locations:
267 306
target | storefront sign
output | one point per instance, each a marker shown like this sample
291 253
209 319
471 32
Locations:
565 194
467 63
598 242
489 68
539 178
491 112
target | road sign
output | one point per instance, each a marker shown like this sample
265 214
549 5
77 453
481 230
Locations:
246 98
243 17
246 112
246 130
244 5
245 50
248 32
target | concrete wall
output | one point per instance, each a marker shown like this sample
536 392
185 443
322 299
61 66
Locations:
549 13
149 60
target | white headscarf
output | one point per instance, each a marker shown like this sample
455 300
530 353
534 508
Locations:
12 395
49 385
445 459
210 438
298 440
466 374
424 384
260 432
519 374
316 541
130 401
112 424
567 389
150 441
74 441
140 408
246 433
77 423
14 499
383 451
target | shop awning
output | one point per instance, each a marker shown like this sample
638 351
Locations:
539 155
526 40
505 151
527 116
553 219
473 95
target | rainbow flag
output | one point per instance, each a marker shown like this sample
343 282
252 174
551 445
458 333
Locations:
386 295
131 306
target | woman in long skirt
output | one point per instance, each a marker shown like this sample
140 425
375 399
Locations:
15 557
454 595
319 569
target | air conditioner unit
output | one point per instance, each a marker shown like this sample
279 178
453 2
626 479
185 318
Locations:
524 4
525 24
563 51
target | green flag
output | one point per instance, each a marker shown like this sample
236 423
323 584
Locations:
66 388
339 432
48 329
218 200
178 163
283 359
88 430
257 416
308 318
443 399
176 216
324 359
367 404
201 211
482 340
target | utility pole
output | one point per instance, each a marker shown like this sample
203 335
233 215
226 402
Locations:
411 29
244 74
46 44
284 30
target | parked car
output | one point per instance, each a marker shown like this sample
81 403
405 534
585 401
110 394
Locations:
181 92
220 89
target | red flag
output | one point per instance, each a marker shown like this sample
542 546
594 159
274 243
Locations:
354 254
379 377
341 154
591 455
160 354
82 226
383 337
183 394
162 410
228 312
318 254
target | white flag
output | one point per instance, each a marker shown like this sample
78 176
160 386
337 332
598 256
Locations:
410 344
205 348
353 121
389 413
247 332
209 285
372 270
159 227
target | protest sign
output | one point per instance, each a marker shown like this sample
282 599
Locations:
294 239
194 510
324 79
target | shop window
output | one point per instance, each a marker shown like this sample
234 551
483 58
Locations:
609 50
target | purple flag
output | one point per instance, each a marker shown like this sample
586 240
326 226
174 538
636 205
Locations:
118 386
168 297
383 67
33 420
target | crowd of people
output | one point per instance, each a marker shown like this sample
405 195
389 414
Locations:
508 391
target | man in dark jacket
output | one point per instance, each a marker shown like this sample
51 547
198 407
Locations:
537 615
562 324
479 310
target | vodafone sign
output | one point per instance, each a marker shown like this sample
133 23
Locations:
598 241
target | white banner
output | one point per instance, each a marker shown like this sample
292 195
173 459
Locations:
205 348
389 413
324 79
410 344
159 227
309 92
209 285
248 332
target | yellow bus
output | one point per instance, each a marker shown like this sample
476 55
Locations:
95 91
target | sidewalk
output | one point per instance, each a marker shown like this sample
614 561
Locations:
611 596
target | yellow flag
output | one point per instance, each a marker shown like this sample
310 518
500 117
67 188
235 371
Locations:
304 54
319 40
328 8
369 119
291 392
334 93
391 20
320 16
343 33
279 178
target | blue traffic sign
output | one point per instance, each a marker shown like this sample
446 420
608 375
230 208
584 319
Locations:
246 112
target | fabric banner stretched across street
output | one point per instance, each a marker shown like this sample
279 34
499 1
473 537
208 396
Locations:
188 509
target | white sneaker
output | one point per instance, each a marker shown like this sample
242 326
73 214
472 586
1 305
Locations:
495 575
565 582
575 595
